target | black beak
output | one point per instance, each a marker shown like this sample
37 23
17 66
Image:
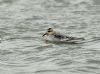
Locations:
44 34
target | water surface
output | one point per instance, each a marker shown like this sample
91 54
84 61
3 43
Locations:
23 50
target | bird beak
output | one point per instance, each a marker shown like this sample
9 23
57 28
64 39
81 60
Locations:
44 34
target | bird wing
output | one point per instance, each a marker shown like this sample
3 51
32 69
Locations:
59 36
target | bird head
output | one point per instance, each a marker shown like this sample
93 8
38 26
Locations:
50 31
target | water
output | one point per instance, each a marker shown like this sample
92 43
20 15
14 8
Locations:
23 50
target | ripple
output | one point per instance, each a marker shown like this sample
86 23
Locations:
48 72
90 67
5 52
43 47
6 1
85 71
66 62
92 61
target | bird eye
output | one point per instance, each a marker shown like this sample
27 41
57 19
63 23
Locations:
49 31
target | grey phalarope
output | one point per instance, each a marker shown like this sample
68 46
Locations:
52 35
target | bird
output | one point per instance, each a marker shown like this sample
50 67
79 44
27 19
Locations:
52 35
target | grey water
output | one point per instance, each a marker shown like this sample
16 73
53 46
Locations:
23 50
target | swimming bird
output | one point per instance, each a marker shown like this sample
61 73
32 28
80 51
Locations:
52 35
